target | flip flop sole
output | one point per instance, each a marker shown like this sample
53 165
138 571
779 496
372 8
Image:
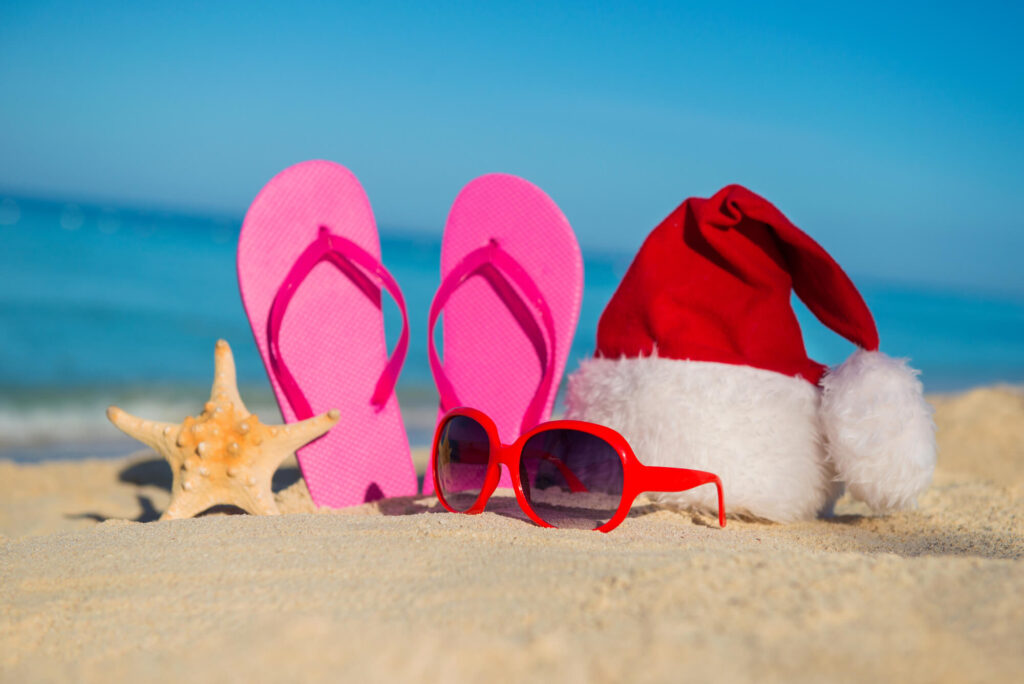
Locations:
490 361
332 335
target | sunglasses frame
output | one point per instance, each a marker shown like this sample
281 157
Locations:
637 477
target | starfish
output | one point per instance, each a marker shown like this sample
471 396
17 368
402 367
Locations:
223 456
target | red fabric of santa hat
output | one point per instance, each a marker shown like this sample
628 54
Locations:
701 363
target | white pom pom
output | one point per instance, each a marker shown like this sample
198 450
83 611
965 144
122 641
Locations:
879 430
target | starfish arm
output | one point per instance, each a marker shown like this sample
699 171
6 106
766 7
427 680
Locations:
267 506
155 434
290 437
225 380
255 499
187 504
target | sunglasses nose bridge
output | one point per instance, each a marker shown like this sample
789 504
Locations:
506 455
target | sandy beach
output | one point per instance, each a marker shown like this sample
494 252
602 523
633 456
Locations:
91 589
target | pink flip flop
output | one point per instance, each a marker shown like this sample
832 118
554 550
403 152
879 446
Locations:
310 276
511 288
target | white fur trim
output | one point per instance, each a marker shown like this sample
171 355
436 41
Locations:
756 429
879 430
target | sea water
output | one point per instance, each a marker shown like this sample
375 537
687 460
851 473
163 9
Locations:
104 305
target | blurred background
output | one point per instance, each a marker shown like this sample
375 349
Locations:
134 135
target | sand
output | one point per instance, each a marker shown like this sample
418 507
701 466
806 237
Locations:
399 590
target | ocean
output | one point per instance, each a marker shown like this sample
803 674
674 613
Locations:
104 306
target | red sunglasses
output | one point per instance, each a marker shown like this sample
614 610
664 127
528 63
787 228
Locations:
565 473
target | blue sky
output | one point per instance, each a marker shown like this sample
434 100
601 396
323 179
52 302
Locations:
890 132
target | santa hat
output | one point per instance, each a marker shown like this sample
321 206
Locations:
700 363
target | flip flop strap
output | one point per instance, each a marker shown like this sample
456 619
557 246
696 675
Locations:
498 267
356 263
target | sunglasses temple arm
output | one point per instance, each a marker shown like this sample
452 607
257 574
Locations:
660 479
573 482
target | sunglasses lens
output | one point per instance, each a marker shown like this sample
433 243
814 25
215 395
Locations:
571 478
463 450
